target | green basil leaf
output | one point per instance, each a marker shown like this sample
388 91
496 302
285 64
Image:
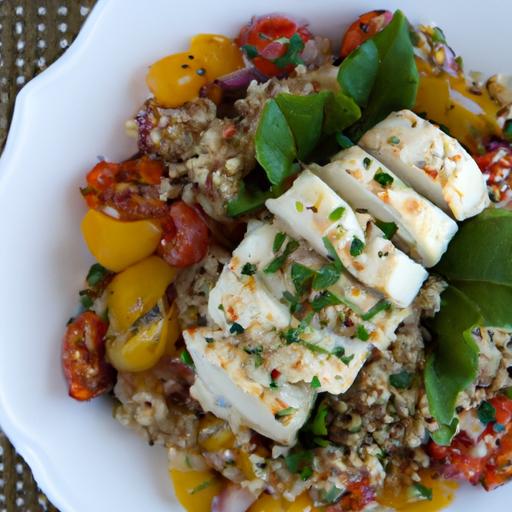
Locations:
341 111
454 363
274 143
305 117
358 72
250 198
394 83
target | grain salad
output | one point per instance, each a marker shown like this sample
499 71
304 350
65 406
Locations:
303 285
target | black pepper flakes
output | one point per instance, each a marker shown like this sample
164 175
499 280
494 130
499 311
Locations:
185 66
191 57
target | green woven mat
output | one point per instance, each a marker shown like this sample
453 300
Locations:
33 33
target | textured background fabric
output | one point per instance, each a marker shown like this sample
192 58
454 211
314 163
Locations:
33 33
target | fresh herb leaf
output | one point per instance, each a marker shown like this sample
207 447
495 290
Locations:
343 141
250 51
278 242
317 349
420 491
339 352
288 411
315 382
381 75
295 462
202 486
251 196
236 328
319 426
324 299
331 253
305 117
341 111
249 269
382 305
85 299
486 413
362 333
388 228
293 51
401 380
356 247
299 206
306 473
337 213
293 300
383 178
454 363
326 276
274 143
301 277
186 357
256 352
96 274
280 260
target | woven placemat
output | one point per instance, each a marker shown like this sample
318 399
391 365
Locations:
33 33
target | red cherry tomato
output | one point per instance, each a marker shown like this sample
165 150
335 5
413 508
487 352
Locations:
185 239
263 35
496 166
366 26
131 188
83 357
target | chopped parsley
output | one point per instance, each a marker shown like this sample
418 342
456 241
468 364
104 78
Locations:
337 213
249 269
388 228
319 425
186 358
382 305
280 260
293 334
293 51
401 380
339 352
293 300
250 51
295 462
486 413
362 333
236 328
85 299
326 276
306 473
256 352
221 307
331 253
301 277
315 348
420 491
394 140
383 178
315 382
278 242
367 162
202 486
96 274
299 206
324 299
285 412
356 247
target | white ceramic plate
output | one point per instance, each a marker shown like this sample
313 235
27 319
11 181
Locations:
63 119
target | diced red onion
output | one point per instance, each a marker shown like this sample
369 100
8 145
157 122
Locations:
233 499
240 79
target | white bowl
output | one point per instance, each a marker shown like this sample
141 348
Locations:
63 119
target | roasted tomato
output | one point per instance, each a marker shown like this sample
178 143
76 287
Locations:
493 468
359 494
273 43
129 188
496 166
185 239
366 26
83 357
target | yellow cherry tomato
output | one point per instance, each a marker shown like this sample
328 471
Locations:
195 490
215 434
173 331
142 350
136 290
220 54
267 503
117 244
176 79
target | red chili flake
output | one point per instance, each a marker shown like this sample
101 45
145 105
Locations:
229 131
275 374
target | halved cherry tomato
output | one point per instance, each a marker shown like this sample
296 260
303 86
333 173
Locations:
130 188
83 357
496 166
366 26
185 239
268 36
358 495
